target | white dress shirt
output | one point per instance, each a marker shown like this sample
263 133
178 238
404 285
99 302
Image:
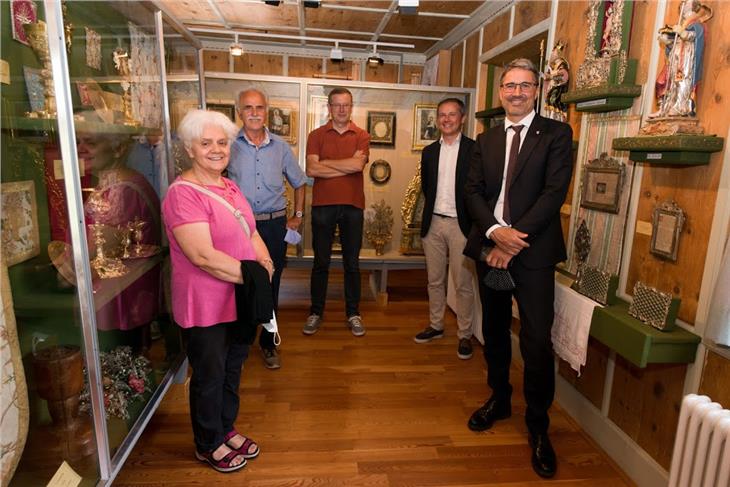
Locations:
499 206
445 203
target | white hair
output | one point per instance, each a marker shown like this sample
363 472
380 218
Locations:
246 92
195 121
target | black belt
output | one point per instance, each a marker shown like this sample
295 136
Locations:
269 216
444 216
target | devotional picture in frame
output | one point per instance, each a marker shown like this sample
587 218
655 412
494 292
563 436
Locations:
282 122
667 222
224 108
318 112
381 127
425 130
602 182
19 222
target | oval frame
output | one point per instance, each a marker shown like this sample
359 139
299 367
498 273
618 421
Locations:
380 172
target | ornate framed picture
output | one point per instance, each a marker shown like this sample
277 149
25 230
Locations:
318 112
381 127
282 122
667 222
21 12
19 222
602 183
380 172
425 130
227 110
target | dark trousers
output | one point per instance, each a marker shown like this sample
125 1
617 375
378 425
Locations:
272 233
324 221
535 294
216 354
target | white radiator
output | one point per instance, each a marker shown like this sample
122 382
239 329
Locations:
701 455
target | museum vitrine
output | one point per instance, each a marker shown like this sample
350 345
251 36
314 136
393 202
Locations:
91 346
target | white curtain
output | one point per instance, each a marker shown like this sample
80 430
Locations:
718 321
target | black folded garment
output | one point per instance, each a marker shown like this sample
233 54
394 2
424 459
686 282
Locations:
499 279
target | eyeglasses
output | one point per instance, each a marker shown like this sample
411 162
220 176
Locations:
341 106
524 86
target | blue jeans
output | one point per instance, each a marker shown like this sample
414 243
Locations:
272 233
325 219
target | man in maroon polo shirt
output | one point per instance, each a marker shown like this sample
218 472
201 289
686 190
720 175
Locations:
336 156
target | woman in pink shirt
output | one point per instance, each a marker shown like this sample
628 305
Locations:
207 243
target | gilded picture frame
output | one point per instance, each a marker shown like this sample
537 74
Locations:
667 222
224 108
381 127
602 183
425 129
19 222
282 121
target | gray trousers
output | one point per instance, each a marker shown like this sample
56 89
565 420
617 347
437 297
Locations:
443 247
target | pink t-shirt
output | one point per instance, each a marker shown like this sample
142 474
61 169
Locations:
198 298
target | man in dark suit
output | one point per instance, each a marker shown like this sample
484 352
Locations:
518 179
445 225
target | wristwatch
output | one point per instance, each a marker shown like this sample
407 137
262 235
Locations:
298 214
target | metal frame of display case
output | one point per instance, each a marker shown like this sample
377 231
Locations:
108 466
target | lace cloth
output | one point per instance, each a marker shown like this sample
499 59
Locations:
573 314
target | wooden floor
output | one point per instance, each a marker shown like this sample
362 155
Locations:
379 410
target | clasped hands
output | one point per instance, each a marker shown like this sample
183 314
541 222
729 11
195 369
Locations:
510 242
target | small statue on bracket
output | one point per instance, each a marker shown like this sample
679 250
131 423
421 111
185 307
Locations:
557 75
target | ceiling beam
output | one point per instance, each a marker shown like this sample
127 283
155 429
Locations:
302 21
178 25
218 12
384 21
386 10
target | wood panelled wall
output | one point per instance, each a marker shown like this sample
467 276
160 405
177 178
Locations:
644 402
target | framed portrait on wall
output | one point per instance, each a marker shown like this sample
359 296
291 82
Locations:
602 184
381 127
224 108
667 222
282 122
425 130
19 222
318 112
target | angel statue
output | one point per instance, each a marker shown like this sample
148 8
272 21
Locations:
557 74
684 43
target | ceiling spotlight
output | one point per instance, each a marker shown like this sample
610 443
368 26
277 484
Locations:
236 49
336 54
311 3
273 3
408 7
374 60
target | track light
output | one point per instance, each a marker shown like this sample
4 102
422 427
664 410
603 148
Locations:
236 49
374 60
408 7
336 54
311 3
273 3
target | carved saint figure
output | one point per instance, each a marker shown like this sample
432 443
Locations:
684 43
557 74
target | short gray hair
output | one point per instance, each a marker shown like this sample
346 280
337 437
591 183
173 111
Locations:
195 121
520 63
247 91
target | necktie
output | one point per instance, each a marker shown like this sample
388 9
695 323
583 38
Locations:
511 163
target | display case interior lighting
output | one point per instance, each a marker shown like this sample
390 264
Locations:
374 60
336 55
408 7
236 49
311 3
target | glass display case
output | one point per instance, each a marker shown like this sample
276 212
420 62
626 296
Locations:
91 345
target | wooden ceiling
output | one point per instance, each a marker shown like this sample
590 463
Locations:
291 23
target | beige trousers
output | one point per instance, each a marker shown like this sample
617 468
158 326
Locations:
443 247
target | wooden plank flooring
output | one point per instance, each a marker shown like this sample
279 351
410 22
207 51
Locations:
379 410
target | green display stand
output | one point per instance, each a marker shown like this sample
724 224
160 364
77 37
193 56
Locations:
639 343
670 149
605 98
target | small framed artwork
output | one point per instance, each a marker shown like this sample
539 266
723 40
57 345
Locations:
21 12
425 130
381 127
19 222
379 172
282 122
36 89
227 110
667 222
318 112
602 182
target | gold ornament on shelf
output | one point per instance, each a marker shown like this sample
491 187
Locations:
37 35
379 225
106 267
121 63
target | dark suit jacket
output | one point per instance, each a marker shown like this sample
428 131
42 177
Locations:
538 189
429 182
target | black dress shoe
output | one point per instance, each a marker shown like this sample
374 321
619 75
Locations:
484 417
544 461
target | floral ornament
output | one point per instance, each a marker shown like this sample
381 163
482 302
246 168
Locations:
125 378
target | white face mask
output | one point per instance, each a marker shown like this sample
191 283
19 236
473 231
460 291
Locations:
292 236
273 327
